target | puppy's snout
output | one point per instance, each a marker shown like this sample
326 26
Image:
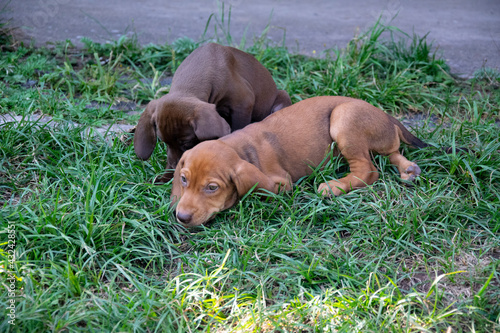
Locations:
184 218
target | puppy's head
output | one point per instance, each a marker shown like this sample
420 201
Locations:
210 178
179 122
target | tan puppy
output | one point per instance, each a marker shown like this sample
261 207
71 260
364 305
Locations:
284 147
216 90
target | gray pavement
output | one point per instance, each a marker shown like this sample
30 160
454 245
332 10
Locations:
465 32
106 133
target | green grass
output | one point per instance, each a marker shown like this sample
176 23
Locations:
97 247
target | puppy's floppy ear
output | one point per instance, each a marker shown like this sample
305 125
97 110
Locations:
145 133
175 195
208 124
246 175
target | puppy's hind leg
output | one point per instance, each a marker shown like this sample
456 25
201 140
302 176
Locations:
363 173
351 129
390 147
408 170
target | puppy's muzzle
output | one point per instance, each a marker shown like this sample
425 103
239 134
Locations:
184 218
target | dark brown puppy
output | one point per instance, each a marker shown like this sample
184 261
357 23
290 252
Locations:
284 147
216 90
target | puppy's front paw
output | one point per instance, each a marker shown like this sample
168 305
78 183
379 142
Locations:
327 190
411 172
281 184
163 179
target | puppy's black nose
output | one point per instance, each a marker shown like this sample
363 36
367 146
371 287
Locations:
184 217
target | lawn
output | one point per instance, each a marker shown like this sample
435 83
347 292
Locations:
89 244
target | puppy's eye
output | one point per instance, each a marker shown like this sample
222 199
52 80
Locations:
183 181
211 188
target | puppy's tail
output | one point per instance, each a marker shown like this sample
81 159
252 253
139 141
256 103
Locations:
413 141
407 137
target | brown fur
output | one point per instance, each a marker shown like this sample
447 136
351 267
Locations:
216 90
284 147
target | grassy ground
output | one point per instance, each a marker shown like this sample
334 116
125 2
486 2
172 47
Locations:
96 247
